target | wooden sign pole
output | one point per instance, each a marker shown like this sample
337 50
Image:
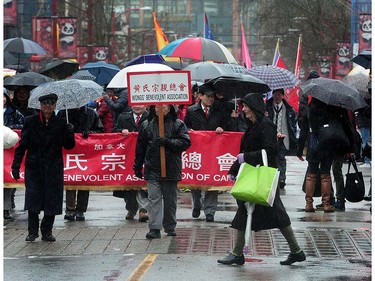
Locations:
162 148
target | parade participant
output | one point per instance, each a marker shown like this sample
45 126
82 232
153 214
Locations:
134 199
205 116
261 134
20 101
162 191
284 117
86 121
105 112
12 119
42 138
117 101
320 158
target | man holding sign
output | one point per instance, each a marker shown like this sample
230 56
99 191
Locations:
148 153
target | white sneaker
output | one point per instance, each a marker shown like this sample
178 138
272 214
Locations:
365 165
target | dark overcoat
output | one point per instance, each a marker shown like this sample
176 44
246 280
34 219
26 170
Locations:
148 153
259 135
317 114
196 119
291 120
126 121
44 166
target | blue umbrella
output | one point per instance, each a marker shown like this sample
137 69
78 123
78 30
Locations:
103 72
151 58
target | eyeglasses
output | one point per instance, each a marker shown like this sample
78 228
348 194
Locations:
48 102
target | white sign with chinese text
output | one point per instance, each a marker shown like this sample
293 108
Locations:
159 87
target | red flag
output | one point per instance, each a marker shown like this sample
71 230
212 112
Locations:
277 61
299 57
245 51
293 98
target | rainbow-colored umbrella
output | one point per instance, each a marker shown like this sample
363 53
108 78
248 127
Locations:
199 49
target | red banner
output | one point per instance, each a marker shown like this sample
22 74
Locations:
343 63
104 162
42 33
10 12
82 55
67 38
365 32
100 53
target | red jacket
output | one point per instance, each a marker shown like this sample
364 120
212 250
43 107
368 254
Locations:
105 114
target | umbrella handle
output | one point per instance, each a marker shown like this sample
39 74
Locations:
250 209
67 115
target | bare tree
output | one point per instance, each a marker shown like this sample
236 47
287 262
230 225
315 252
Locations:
322 24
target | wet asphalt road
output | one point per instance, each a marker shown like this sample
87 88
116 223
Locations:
107 247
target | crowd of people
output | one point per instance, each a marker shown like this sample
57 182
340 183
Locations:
270 124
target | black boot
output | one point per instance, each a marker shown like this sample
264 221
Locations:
153 233
292 258
31 237
232 259
7 215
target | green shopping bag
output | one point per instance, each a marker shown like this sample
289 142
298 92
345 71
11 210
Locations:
256 184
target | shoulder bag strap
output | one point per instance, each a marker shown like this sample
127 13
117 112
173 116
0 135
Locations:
352 162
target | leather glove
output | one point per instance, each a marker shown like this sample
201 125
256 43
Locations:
232 178
16 174
69 128
241 158
139 174
161 141
85 134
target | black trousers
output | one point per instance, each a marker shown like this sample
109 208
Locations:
45 226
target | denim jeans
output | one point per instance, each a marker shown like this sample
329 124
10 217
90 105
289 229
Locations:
365 134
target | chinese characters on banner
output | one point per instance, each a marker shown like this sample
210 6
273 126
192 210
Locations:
365 34
104 162
159 87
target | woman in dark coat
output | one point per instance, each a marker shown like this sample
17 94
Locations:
316 115
43 136
260 134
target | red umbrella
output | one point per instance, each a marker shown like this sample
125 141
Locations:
199 49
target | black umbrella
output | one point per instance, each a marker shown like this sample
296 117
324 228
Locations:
363 59
29 79
334 92
238 85
60 69
82 75
20 45
18 67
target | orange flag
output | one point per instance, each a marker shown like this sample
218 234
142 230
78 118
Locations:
161 39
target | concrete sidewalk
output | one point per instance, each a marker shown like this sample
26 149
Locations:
340 236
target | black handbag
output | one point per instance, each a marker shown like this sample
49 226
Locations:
332 136
354 185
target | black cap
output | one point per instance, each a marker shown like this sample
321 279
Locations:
48 97
207 89
279 90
